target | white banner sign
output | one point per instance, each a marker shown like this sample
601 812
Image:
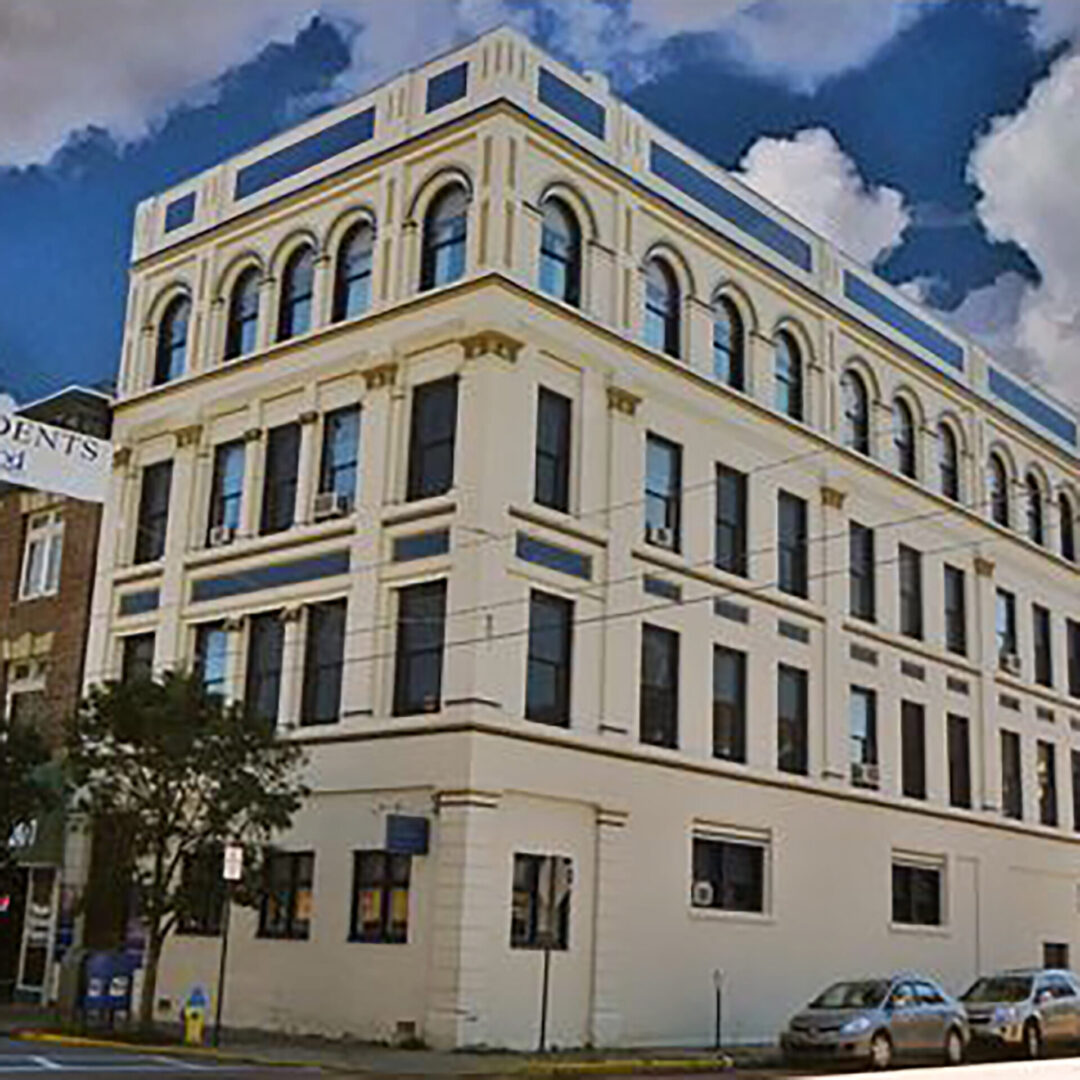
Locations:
47 458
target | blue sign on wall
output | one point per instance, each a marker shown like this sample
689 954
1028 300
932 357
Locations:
406 834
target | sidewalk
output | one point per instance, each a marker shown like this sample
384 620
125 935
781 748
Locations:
374 1060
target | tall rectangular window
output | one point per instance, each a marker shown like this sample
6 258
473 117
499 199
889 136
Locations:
42 555
419 661
1046 767
916 893
279 478
262 686
324 661
380 908
864 739
547 680
340 460
1044 650
540 902
955 611
211 657
431 438
863 594
729 704
1008 646
729 875
1012 784
1075 763
913 750
552 469
288 895
793 571
137 657
792 712
153 520
204 889
1072 634
731 520
959 738
659 686
227 488
663 493
911 598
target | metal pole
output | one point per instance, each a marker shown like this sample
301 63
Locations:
221 967
548 932
719 1013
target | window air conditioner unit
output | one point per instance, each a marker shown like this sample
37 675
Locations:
865 774
661 535
331 504
220 535
701 894
1010 663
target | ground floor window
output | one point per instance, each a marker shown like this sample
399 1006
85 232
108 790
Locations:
729 874
1055 954
202 894
540 908
917 893
380 911
287 899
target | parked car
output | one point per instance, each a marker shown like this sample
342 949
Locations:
1025 1009
879 1020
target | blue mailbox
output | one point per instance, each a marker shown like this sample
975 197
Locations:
107 988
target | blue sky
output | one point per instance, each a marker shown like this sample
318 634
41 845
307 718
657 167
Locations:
932 138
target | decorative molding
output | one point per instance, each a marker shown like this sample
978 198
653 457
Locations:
380 375
622 401
292 613
984 567
188 436
308 416
466 798
253 434
491 342
612 819
233 623
832 497
121 458
27 646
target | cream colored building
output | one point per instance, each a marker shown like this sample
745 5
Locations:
665 405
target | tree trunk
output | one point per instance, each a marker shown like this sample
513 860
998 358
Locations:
149 984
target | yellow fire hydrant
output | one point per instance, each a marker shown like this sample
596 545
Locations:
194 1014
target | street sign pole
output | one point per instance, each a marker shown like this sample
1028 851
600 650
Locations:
232 869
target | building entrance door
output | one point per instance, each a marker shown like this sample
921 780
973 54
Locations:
37 933
12 907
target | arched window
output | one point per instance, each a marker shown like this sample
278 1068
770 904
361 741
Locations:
560 253
297 292
904 438
948 462
998 482
171 352
1035 530
352 272
788 376
445 232
856 412
1067 526
661 307
243 315
729 344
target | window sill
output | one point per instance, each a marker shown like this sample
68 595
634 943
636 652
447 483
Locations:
418 509
354 940
920 929
39 596
564 522
297 536
754 918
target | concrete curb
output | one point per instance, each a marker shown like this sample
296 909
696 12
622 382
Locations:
534 1068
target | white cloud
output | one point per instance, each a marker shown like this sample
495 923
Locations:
1054 20
811 178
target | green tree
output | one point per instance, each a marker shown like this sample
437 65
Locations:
25 790
187 773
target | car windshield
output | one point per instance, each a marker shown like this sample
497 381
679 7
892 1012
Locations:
852 995
999 988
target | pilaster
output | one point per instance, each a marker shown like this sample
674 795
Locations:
609 945
835 758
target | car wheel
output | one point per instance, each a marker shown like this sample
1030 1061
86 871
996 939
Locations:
1033 1043
954 1047
880 1051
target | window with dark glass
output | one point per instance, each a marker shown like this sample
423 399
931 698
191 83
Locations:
1046 771
153 521
731 520
552 469
862 590
419 660
955 610
913 750
729 875
560 253
659 687
1007 643
1012 785
788 377
729 344
432 436
1067 527
1072 638
352 272
340 453
904 439
911 598
856 412
170 356
288 895
1035 527
227 486
445 233
662 308
793 571
916 895
863 732
137 657
547 681
1074 758
540 902
998 483
297 291
202 892
663 493
729 704
793 705
279 478
959 740
243 318
262 686
324 662
1044 651
380 906
211 657
948 462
